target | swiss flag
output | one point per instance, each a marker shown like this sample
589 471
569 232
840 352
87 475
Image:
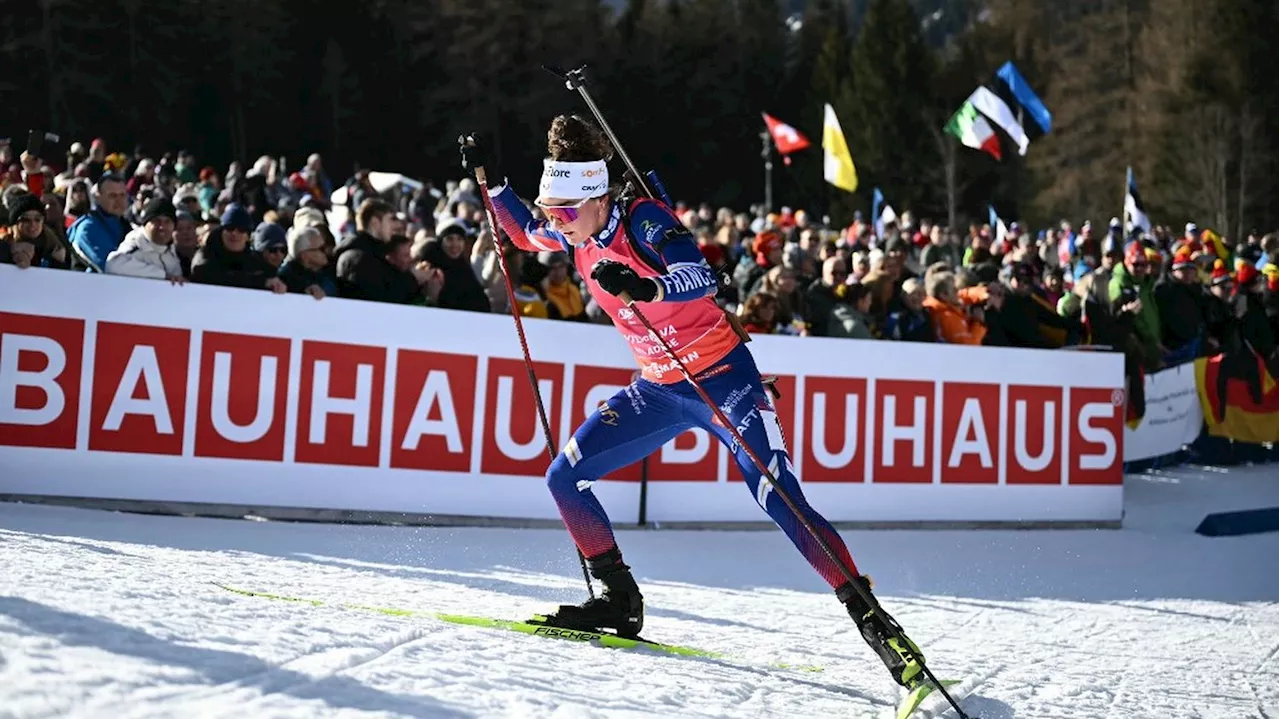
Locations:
785 136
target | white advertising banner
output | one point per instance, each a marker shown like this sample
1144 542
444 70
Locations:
1173 416
133 389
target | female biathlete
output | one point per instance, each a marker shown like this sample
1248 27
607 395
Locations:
640 248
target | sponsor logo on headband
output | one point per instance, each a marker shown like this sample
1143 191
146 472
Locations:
599 187
588 174
554 172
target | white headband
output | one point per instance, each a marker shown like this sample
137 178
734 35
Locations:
573 180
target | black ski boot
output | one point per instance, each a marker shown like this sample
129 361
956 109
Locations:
881 635
620 608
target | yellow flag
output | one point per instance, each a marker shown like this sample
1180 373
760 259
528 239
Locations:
837 163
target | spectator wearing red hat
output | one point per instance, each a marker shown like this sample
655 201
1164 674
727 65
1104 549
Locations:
767 252
1182 302
1132 281
1255 327
208 189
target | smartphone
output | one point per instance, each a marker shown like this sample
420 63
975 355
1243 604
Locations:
36 140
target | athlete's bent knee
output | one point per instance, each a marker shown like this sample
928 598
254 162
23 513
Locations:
562 475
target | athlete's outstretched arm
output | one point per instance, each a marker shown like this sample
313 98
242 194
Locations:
527 233
688 275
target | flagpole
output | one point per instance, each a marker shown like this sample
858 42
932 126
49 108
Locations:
767 154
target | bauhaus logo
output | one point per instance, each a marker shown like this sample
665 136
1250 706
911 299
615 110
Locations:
141 389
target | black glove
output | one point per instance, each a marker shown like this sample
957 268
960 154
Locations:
616 278
475 156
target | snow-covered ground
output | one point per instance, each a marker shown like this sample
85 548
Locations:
114 615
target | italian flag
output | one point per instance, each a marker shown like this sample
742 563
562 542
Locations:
973 130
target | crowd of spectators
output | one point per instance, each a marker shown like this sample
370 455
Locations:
1160 297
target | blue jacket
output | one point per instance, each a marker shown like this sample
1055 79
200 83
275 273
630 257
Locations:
96 235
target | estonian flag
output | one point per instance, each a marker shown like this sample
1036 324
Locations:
1135 214
1025 96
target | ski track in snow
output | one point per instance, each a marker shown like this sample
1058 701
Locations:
114 615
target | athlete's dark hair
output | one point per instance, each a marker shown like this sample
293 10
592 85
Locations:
573 138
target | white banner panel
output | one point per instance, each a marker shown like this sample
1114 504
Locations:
1173 415
131 389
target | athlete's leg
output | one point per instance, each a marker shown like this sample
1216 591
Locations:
747 404
628 427
743 399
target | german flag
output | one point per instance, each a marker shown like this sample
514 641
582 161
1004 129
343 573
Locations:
1239 397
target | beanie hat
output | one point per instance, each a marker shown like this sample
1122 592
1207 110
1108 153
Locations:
764 245
455 226
184 195
301 239
268 235
158 207
237 218
308 217
1182 259
1246 274
1272 273
1220 275
1134 252
22 204
713 254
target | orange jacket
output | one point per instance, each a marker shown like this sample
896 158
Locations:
953 324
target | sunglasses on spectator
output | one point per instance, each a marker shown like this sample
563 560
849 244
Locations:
277 249
563 214
1140 264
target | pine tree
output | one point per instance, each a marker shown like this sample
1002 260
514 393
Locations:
341 91
251 60
1080 166
891 78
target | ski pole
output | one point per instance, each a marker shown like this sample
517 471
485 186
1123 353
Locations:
524 344
577 80
766 475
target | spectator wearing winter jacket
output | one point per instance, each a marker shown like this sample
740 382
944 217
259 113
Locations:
820 297
951 320
1131 281
564 299
304 269
910 323
226 258
1026 318
942 247
450 253
149 251
95 235
269 240
1182 302
363 269
848 316
766 252
27 224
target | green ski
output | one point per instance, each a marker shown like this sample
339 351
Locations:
533 627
